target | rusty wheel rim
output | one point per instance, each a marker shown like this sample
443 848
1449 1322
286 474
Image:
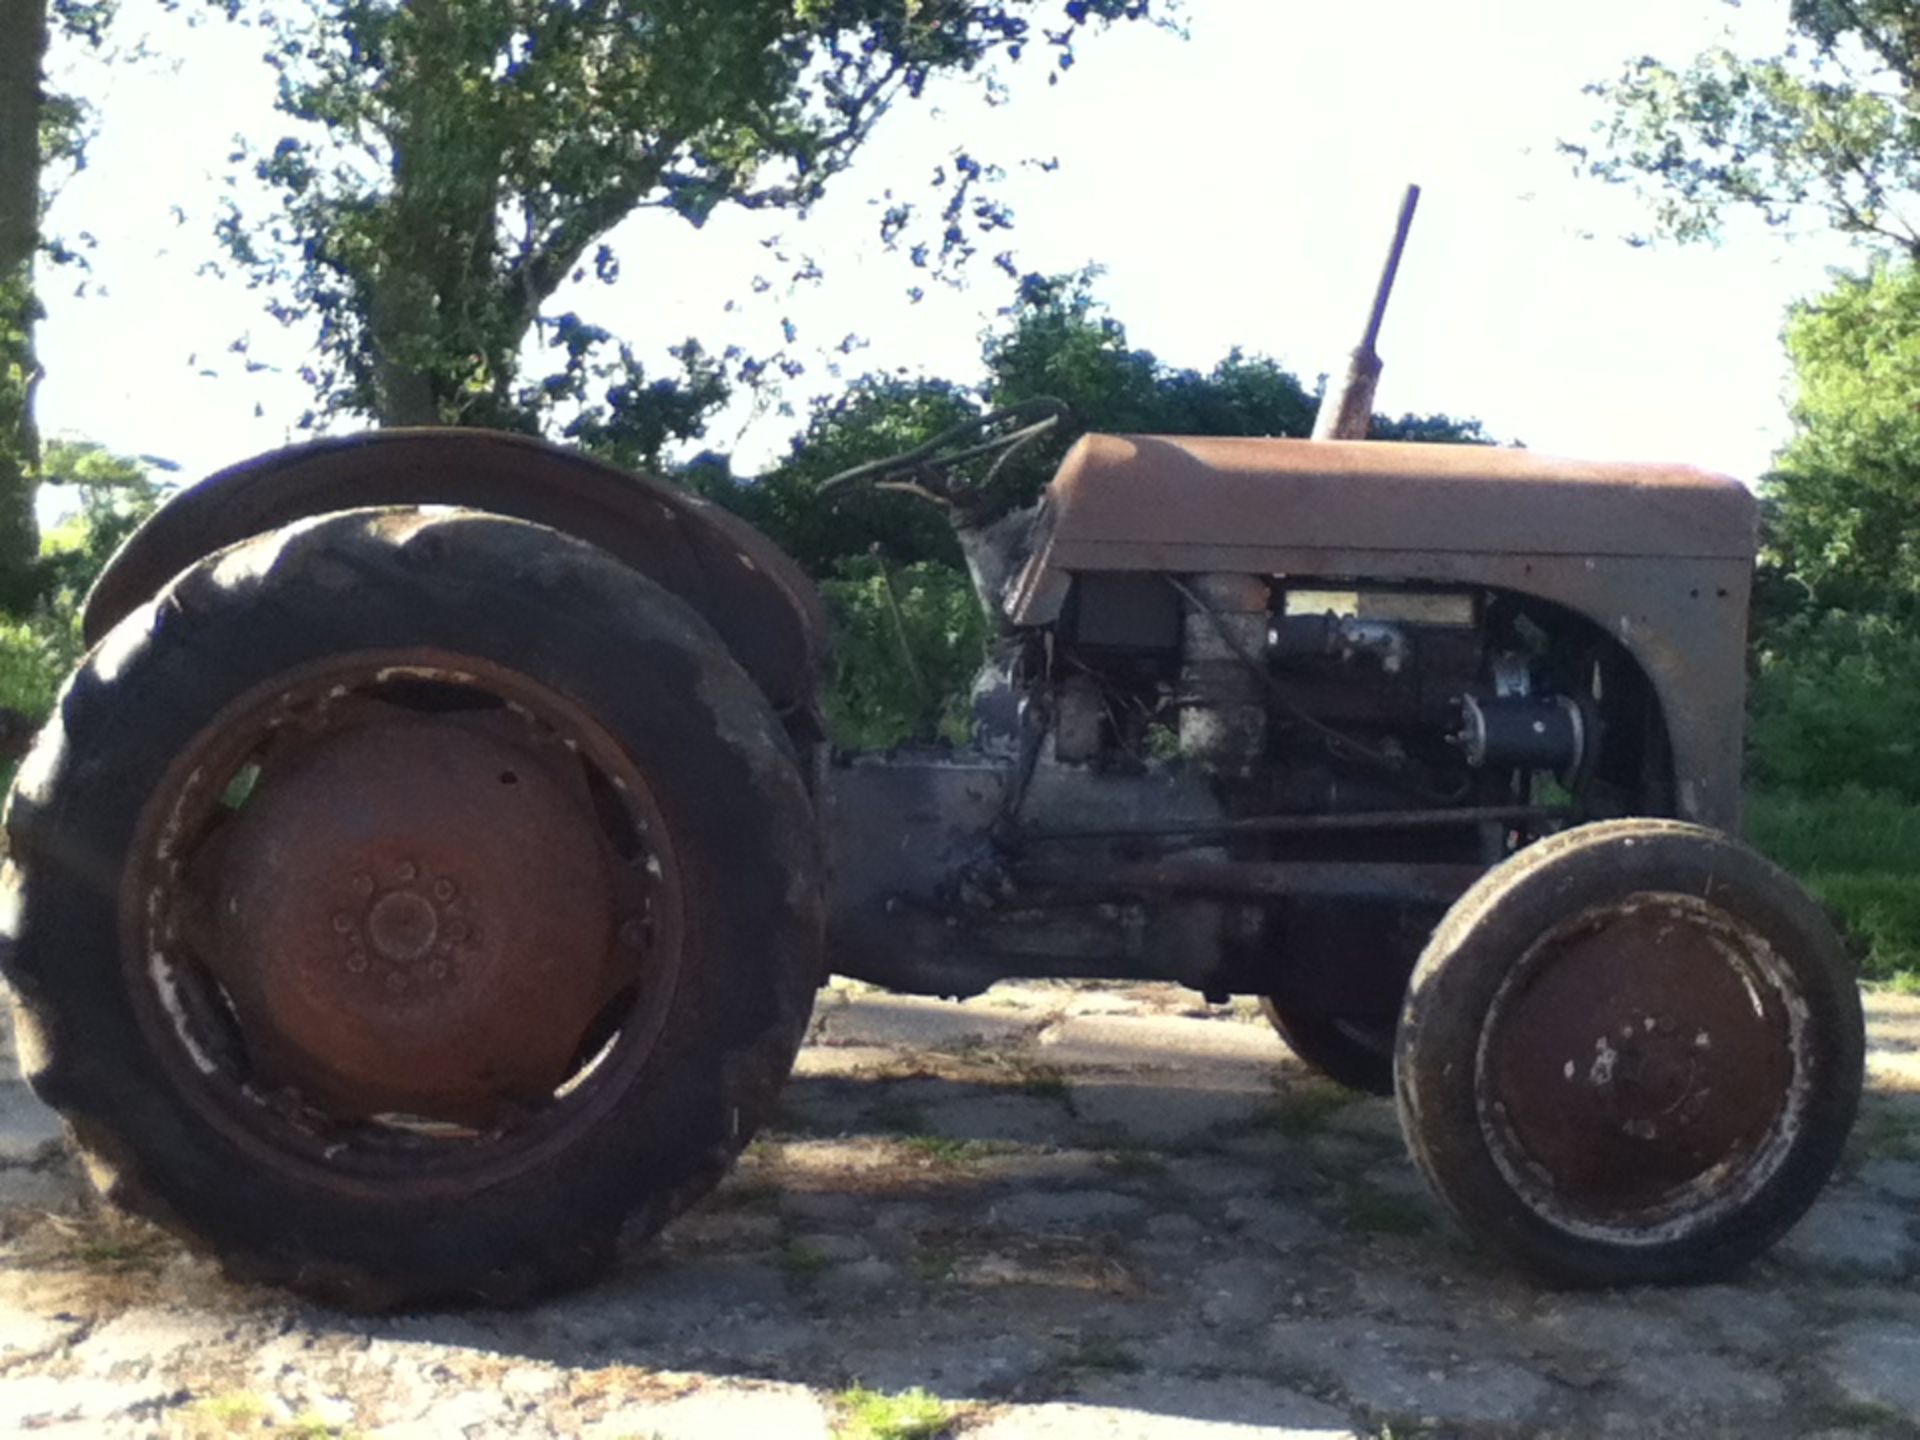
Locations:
1643 1071
403 916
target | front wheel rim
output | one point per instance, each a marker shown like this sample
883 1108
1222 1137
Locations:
1644 1071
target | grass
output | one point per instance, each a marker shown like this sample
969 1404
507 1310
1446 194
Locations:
1859 851
1043 1082
231 1413
1381 1212
1302 1108
1102 1353
910 1415
111 1242
934 1264
1884 1132
802 1263
239 1412
945 1151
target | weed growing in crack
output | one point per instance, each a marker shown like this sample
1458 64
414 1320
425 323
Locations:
1382 1212
1300 1109
892 1115
801 1263
1104 1353
933 1263
1043 1082
910 1415
109 1242
239 1412
945 1151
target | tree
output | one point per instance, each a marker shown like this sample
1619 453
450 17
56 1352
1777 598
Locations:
1057 342
23 46
37 128
1828 125
1843 503
110 495
450 163
909 633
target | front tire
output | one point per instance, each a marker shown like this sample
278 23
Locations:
1347 1053
403 904
1631 1054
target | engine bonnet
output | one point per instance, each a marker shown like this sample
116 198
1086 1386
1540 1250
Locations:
1658 556
1149 502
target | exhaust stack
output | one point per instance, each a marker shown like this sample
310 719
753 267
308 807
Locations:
1346 410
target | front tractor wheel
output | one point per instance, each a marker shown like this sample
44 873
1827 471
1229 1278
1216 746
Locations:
1631 1055
404 903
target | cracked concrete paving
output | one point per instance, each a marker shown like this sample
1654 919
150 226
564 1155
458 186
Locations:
1070 1211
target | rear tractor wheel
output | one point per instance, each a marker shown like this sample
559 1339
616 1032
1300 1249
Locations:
1631 1054
404 903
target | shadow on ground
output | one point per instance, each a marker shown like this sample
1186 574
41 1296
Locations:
1067 1211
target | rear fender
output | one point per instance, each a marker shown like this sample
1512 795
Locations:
744 585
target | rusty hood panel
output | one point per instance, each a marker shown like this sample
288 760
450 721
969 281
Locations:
1125 502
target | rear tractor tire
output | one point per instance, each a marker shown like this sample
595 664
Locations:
1631 1054
404 904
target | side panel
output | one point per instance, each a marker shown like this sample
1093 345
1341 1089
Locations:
759 601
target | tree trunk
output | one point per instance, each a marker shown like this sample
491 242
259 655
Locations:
23 46
403 391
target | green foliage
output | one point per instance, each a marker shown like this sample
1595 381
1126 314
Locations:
874 418
1843 506
906 646
114 494
1834 701
1829 124
36 652
42 643
1057 341
1855 848
19 438
449 164
1836 765
903 669
910 1415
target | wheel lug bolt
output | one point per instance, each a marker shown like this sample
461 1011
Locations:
342 922
363 885
443 889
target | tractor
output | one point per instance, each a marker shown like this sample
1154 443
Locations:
427 874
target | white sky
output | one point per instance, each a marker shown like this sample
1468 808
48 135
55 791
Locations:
1238 187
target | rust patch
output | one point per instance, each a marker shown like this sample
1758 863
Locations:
418 917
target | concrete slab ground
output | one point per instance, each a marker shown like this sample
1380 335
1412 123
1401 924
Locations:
1092 1212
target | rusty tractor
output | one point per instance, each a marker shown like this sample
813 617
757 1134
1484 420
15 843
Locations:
426 876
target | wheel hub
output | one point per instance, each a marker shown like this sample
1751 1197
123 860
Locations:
1639 1063
416 916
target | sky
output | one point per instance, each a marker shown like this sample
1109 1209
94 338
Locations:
1238 186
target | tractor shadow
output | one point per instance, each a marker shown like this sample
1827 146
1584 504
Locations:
1172 1230
1142 1209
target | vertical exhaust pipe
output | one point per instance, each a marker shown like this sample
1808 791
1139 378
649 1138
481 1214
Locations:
1346 409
